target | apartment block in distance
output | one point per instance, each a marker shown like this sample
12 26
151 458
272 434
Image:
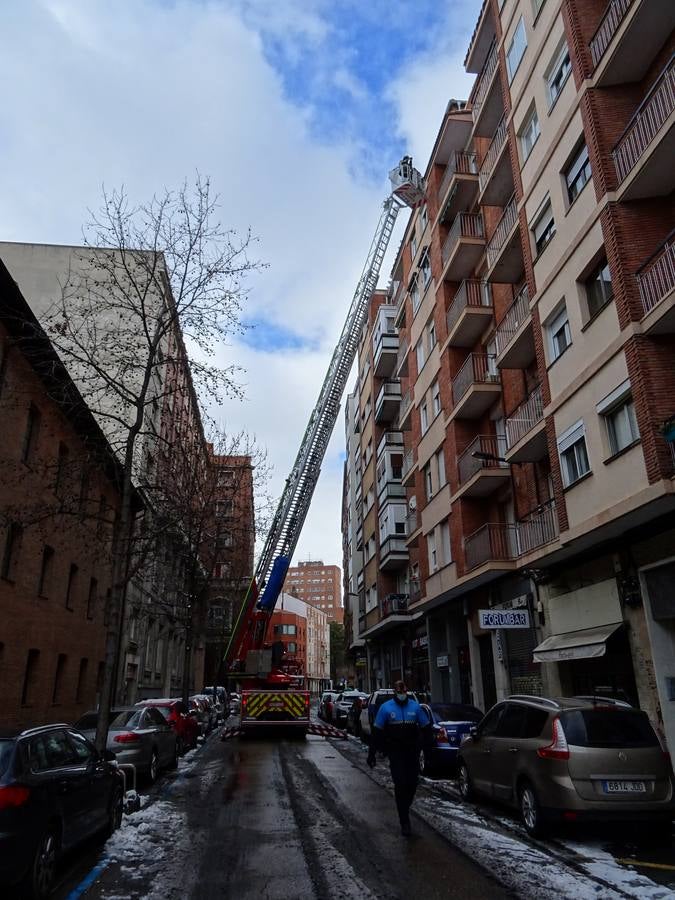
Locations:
536 329
318 585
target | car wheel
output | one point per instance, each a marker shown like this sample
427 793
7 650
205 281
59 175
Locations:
39 879
115 812
530 811
465 784
153 769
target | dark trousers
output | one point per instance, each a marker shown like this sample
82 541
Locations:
404 771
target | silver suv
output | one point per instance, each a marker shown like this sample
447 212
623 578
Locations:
569 759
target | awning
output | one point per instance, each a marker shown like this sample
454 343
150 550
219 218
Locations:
586 643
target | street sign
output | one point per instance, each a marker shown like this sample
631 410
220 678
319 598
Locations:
441 662
502 618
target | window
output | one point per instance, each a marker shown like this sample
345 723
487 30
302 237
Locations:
428 483
415 293
84 752
31 434
424 219
46 571
529 133
224 508
618 411
440 468
10 557
559 337
425 268
573 456
424 417
577 173
598 288
59 678
446 549
413 246
536 7
72 586
92 598
51 751
431 335
30 677
512 721
285 629
61 467
431 549
291 647
516 49
557 74
83 500
435 399
419 355
543 228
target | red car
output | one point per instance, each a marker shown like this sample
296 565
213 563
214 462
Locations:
185 726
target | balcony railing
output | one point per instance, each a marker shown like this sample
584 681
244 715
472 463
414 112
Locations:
490 446
484 80
502 231
406 403
403 348
458 164
395 604
470 293
504 542
525 417
408 462
516 314
493 152
646 122
466 225
479 368
609 24
656 278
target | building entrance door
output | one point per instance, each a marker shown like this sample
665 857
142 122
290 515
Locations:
487 670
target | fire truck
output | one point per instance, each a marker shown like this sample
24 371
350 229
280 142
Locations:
273 687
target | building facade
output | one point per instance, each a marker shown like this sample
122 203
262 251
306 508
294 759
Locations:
303 631
534 292
318 585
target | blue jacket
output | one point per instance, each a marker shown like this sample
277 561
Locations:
399 726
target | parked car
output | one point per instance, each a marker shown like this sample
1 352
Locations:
199 713
219 696
326 704
353 724
235 704
343 705
55 791
184 726
211 707
450 722
142 737
570 759
369 711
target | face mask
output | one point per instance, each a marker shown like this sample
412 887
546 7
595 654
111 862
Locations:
401 698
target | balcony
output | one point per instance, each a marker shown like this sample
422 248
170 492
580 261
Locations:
470 313
628 37
459 185
390 488
405 410
409 467
388 402
385 354
395 604
514 337
481 467
504 253
486 104
526 431
505 542
463 246
481 40
412 528
656 283
643 155
400 303
394 553
495 177
402 358
475 387
390 440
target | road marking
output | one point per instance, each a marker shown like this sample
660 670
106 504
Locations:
88 880
645 865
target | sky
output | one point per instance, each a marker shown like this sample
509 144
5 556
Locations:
295 109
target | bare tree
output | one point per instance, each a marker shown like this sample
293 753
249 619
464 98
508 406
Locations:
156 289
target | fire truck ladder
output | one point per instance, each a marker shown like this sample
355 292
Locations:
282 538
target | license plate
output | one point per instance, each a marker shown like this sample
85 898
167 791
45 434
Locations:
624 787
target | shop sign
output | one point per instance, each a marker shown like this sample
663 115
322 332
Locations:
442 662
420 643
498 618
500 645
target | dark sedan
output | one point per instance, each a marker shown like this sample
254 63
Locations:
450 722
55 791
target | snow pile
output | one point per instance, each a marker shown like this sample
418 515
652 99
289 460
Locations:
146 837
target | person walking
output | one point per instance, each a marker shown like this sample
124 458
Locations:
401 728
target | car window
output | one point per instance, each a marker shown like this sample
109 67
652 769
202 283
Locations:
6 747
124 719
512 721
489 724
50 751
608 728
164 712
535 720
455 712
153 717
87 722
84 751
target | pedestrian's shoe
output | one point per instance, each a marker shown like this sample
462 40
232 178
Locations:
406 831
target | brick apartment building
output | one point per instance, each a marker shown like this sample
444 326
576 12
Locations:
318 585
303 629
58 495
533 299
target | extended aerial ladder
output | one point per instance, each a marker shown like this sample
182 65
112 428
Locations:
244 650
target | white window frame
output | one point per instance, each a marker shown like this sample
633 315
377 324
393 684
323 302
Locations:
415 293
601 296
446 546
557 323
512 64
425 267
618 401
424 417
543 222
530 124
571 441
424 219
420 355
440 468
432 552
431 334
428 481
580 163
435 399
556 78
